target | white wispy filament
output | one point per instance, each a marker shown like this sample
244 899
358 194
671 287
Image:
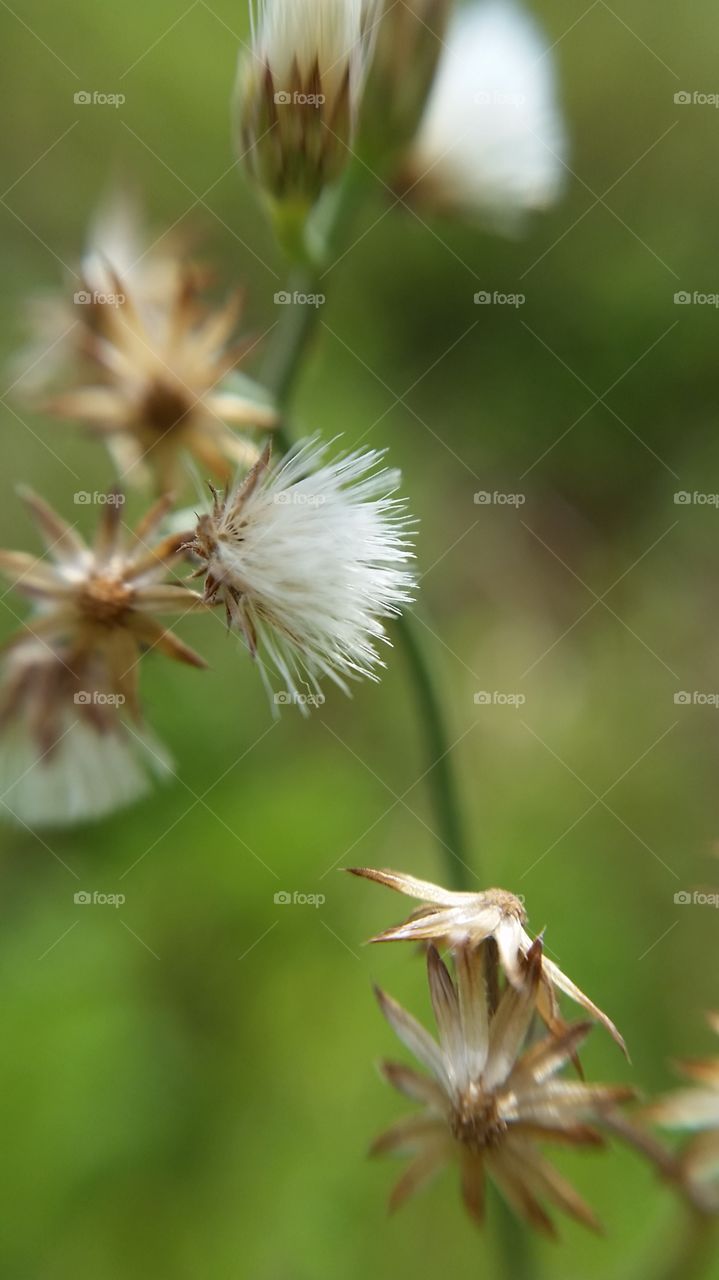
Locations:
308 558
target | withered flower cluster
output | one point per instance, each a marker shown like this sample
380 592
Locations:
308 555
495 1092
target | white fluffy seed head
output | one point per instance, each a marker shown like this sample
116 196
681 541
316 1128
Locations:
492 141
309 557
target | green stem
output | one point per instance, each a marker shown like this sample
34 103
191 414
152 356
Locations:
293 336
514 1247
440 776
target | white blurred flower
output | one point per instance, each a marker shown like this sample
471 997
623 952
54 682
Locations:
308 556
696 1110
492 140
66 754
299 91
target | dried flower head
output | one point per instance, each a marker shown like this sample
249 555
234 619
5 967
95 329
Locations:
66 753
307 557
492 142
158 393
299 92
489 1100
458 920
97 601
696 1109
119 245
409 43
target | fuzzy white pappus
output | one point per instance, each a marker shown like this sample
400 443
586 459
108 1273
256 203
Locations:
308 556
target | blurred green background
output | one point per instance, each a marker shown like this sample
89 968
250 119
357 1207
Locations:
187 1087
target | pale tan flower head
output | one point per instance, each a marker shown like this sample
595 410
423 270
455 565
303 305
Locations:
119 245
157 386
696 1109
490 1100
97 602
458 920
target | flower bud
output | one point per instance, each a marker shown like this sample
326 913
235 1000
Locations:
407 50
298 94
